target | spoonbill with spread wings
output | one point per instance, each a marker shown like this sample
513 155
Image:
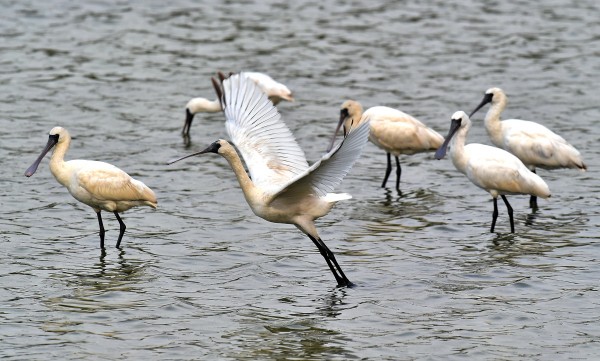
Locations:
281 188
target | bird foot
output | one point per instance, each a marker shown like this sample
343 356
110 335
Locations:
346 283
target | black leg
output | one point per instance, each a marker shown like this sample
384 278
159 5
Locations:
510 214
398 173
331 261
388 170
494 214
324 254
121 230
101 230
331 256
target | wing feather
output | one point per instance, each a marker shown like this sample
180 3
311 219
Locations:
254 125
328 173
106 182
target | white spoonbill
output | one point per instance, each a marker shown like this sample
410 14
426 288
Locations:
274 90
281 188
490 168
535 145
100 185
391 130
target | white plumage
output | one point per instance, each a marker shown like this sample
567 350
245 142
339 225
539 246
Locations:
274 90
492 169
534 144
283 188
100 185
391 130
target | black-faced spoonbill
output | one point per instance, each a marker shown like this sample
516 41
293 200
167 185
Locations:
100 185
391 130
282 188
535 145
490 168
274 90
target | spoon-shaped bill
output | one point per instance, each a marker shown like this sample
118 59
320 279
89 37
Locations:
52 140
441 152
487 98
189 117
213 148
343 116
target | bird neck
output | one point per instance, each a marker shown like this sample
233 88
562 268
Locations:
58 165
203 105
248 187
493 124
213 106
457 149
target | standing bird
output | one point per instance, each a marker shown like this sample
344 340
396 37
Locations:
391 130
490 168
100 185
281 188
534 144
274 90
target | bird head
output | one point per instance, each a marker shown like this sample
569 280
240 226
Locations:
57 135
349 110
459 120
492 95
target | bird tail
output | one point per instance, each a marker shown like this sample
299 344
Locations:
336 197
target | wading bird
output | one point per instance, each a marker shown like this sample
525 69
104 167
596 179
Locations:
281 188
535 145
490 168
100 185
391 130
274 90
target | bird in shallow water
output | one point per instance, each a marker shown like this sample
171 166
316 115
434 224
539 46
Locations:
275 91
282 187
534 144
492 169
391 130
100 185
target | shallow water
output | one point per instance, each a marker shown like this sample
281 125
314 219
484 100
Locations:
202 276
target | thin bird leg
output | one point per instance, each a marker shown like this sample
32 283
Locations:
494 214
331 256
510 214
121 230
339 279
398 173
388 170
533 200
101 230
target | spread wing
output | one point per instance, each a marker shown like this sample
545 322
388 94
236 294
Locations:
326 174
271 153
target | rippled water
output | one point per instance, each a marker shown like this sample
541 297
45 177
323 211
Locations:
202 276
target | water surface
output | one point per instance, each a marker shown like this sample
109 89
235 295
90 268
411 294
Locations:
202 277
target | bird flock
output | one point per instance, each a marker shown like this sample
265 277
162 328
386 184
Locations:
281 187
